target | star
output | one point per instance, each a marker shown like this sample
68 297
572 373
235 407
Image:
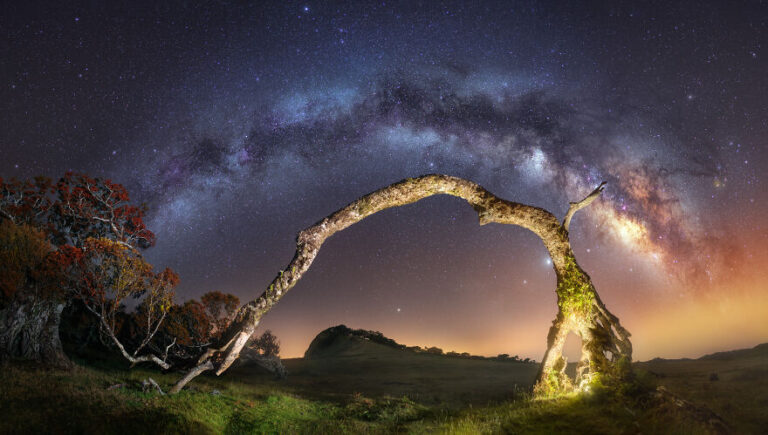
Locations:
248 114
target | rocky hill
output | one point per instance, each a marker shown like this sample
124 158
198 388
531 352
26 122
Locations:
343 341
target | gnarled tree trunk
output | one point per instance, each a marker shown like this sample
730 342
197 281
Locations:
604 342
29 330
605 346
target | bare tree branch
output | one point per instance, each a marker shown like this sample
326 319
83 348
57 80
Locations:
192 374
131 358
167 348
576 206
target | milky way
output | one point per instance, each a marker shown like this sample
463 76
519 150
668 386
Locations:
241 125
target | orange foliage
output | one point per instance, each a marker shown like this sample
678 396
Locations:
195 324
23 259
104 273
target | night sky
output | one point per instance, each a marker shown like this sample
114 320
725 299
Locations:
241 124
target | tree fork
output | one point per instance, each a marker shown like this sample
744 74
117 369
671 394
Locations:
604 340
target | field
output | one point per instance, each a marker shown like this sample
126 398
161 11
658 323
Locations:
368 387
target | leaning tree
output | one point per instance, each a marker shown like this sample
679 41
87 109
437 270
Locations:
606 349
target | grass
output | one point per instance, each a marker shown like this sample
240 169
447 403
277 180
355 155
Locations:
740 393
576 414
371 393
80 401
432 380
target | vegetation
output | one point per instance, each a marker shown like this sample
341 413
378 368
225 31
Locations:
77 244
106 398
97 235
574 294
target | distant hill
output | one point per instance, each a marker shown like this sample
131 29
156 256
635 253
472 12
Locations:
342 360
761 350
732 384
340 340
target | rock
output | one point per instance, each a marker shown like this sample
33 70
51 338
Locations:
149 384
335 340
271 363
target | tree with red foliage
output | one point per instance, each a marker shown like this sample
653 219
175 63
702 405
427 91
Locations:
90 207
103 274
91 223
194 325
25 202
189 327
30 302
94 236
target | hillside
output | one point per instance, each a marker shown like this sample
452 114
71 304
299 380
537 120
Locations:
342 361
733 384
339 341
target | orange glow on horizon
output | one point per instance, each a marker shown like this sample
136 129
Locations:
732 317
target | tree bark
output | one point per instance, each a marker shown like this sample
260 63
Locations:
29 330
580 308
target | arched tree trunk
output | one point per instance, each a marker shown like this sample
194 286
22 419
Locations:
605 349
604 341
29 330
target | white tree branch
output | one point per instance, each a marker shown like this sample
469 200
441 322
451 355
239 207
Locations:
576 206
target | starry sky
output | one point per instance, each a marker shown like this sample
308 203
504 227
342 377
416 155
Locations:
241 123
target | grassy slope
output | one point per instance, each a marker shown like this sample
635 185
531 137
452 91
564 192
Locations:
79 402
740 395
377 370
351 393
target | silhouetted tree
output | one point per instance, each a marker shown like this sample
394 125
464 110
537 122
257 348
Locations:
267 344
